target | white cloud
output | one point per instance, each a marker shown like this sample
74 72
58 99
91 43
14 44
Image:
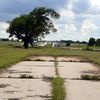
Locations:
70 27
3 28
67 15
95 3
88 27
79 20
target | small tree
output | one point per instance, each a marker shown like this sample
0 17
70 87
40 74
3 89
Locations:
98 42
37 23
91 42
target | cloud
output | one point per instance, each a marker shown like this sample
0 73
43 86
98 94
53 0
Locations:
88 27
86 6
3 27
17 7
81 6
79 18
79 21
95 3
70 27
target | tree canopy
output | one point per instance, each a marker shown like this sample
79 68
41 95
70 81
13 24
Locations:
98 42
91 42
37 23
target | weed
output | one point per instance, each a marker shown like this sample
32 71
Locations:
90 77
56 65
58 89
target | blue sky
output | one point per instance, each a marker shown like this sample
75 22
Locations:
79 18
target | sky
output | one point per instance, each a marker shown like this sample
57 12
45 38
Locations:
79 19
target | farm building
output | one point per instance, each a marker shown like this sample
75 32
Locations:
60 44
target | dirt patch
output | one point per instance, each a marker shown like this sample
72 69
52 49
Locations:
50 58
70 59
40 58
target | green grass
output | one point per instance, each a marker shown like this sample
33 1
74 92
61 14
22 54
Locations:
85 46
58 89
10 55
11 43
90 77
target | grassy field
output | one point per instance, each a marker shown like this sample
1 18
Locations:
10 55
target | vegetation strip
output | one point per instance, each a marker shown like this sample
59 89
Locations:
58 87
90 77
56 65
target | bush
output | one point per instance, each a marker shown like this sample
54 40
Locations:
88 48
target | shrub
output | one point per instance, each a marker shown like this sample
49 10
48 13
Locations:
88 48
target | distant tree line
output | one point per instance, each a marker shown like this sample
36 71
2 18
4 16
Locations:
69 42
94 42
4 39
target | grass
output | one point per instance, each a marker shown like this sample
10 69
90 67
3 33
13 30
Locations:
85 46
56 65
10 55
90 77
58 89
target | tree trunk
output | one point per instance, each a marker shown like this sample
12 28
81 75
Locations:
26 43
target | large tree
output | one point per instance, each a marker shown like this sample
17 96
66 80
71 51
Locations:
37 23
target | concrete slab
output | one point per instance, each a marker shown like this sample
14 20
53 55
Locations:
82 90
14 88
24 89
75 69
33 68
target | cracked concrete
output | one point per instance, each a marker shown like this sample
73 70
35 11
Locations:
27 89
39 88
79 89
